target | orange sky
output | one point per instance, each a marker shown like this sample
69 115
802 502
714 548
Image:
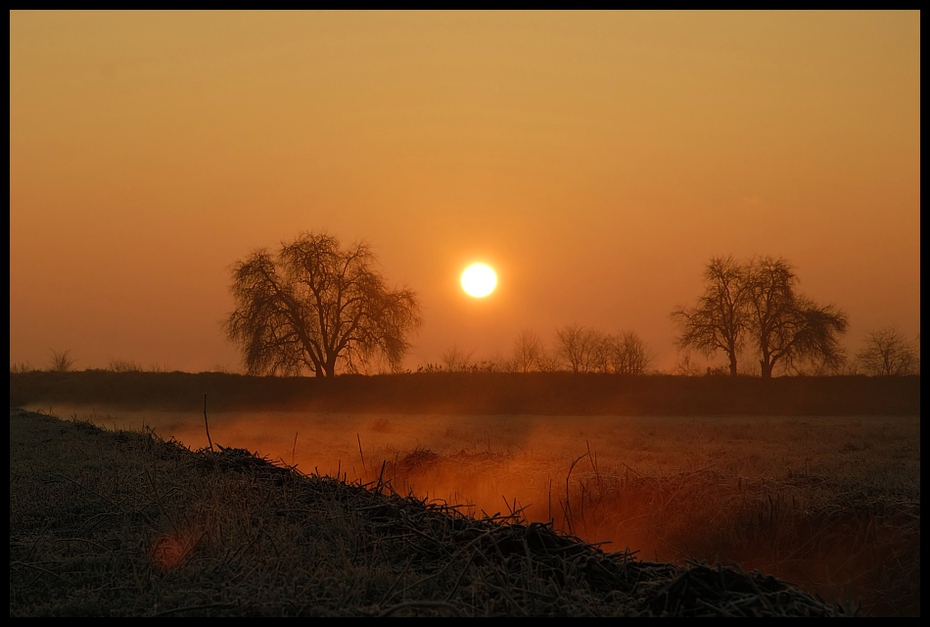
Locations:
598 160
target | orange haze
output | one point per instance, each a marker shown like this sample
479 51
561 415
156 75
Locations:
596 160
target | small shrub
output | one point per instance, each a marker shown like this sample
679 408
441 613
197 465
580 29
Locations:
123 365
61 361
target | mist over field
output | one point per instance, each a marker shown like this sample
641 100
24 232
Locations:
355 445
815 479
670 488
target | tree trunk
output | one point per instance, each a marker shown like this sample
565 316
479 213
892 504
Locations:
329 366
732 364
766 369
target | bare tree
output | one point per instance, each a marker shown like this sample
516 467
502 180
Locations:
549 360
61 361
719 320
456 360
578 346
888 352
789 328
584 349
757 301
686 366
319 307
529 354
603 351
627 354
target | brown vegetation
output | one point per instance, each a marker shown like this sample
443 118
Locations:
125 524
812 480
888 352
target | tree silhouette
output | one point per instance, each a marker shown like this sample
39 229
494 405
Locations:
888 353
757 300
61 361
718 321
319 307
788 327
626 353
457 360
578 346
585 349
529 353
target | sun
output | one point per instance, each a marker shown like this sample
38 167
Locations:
479 280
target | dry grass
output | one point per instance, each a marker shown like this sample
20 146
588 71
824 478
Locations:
127 524
830 503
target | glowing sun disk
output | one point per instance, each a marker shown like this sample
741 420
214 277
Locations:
479 280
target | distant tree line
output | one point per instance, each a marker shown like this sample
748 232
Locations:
316 306
577 348
886 352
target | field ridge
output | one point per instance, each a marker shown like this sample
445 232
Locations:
556 393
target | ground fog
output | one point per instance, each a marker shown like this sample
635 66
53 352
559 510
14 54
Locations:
823 501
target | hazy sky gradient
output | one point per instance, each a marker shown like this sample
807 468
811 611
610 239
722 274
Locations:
597 160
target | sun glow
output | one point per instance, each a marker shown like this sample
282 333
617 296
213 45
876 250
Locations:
479 280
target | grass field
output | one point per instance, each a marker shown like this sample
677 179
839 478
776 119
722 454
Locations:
830 503
120 523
